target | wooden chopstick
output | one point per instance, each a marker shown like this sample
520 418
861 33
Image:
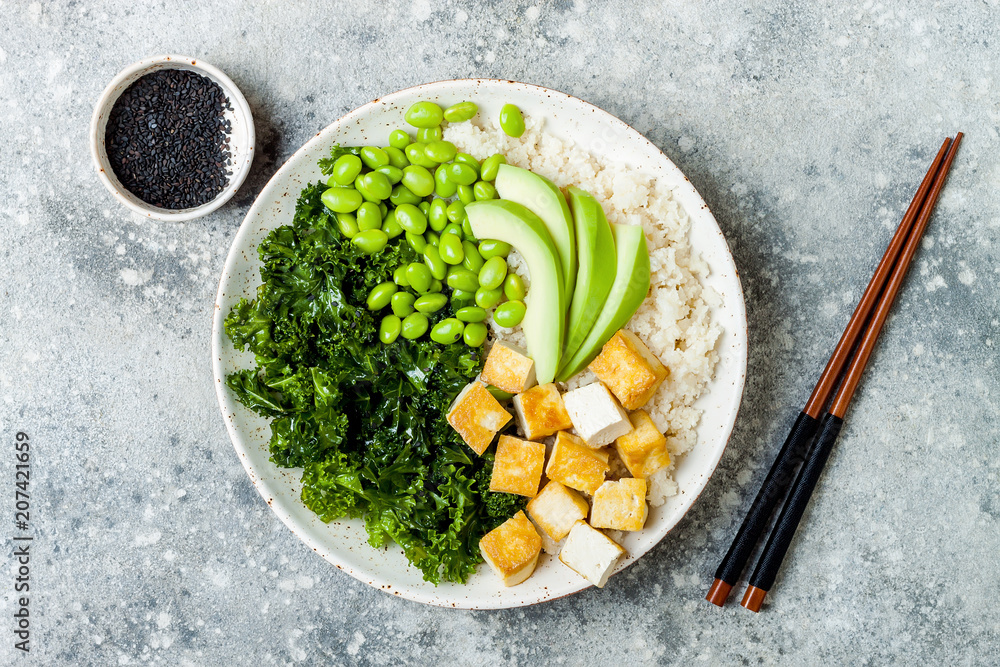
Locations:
807 423
788 520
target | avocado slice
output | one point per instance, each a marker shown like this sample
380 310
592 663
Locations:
595 247
629 289
545 319
543 198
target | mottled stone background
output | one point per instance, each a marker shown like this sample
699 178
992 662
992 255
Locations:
806 126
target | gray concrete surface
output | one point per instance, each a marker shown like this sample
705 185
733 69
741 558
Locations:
806 126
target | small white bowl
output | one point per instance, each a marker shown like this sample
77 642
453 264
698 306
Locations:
241 137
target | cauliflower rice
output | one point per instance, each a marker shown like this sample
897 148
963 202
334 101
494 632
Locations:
675 319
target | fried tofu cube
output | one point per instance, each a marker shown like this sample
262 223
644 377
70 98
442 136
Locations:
620 505
596 415
643 450
540 411
508 367
512 549
556 509
590 553
518 466
575 464
629 369
477 416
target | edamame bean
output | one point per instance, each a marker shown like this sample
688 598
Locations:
430 303
415 154
471 314
451 249
467 229
346 169
414 326
473 260
371 242
424 114
402 304
419 276
342 200
418 180
491 166
393 174
383 209
411 218
416 241
437 214
460 112
456 212
440 151
388 330
462 174
399 276
468 160
390 226
377 184
487 298
374 157
493 249
447 331
380 296
493 272
466 194
347 224
432 238
474 334
402 195
513 287
452 229
369 217
509 314
430 134
397 158
359 185
484 190
442 186
424 206
463 279
511 121
434 263
399 139
460 298
436 285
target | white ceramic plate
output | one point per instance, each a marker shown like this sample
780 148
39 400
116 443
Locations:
343 542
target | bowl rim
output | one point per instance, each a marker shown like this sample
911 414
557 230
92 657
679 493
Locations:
107 100
691 199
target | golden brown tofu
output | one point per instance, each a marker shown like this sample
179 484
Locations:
512 549
540 411
556 509
620 505
643 450
477 416
575 464
509 368
518 466
629 369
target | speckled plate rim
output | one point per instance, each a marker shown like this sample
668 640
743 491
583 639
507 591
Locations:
726 389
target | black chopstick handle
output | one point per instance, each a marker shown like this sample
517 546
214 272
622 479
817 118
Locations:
784 530
779 477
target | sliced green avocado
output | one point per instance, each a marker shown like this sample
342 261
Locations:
629 289
545 319
541 196
595 247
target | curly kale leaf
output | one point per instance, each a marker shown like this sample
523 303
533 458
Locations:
326 163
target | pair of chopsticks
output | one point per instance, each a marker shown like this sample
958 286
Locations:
866 325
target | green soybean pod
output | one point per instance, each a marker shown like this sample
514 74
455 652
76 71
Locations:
430 134
402 195
451 249
456 212
462 174
436 285
463 279
414 326
347 224
511 121
374 157
393 174
492 274
416 241
411 218
493 249
474 334
399 276
401 304
484 190
432 238
466 194
460 298
371 242
418 180
342 200
389 328
424 114
419 276
468 160
471 314
473 260
377 184
430 303
463 111
380 295
491 166
452 229
390 226
424 206
447 331
399 139
487 298
369 217
442 186
437 214
513 287
432 260
346 169
397 158
467 229
440 151
509 314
